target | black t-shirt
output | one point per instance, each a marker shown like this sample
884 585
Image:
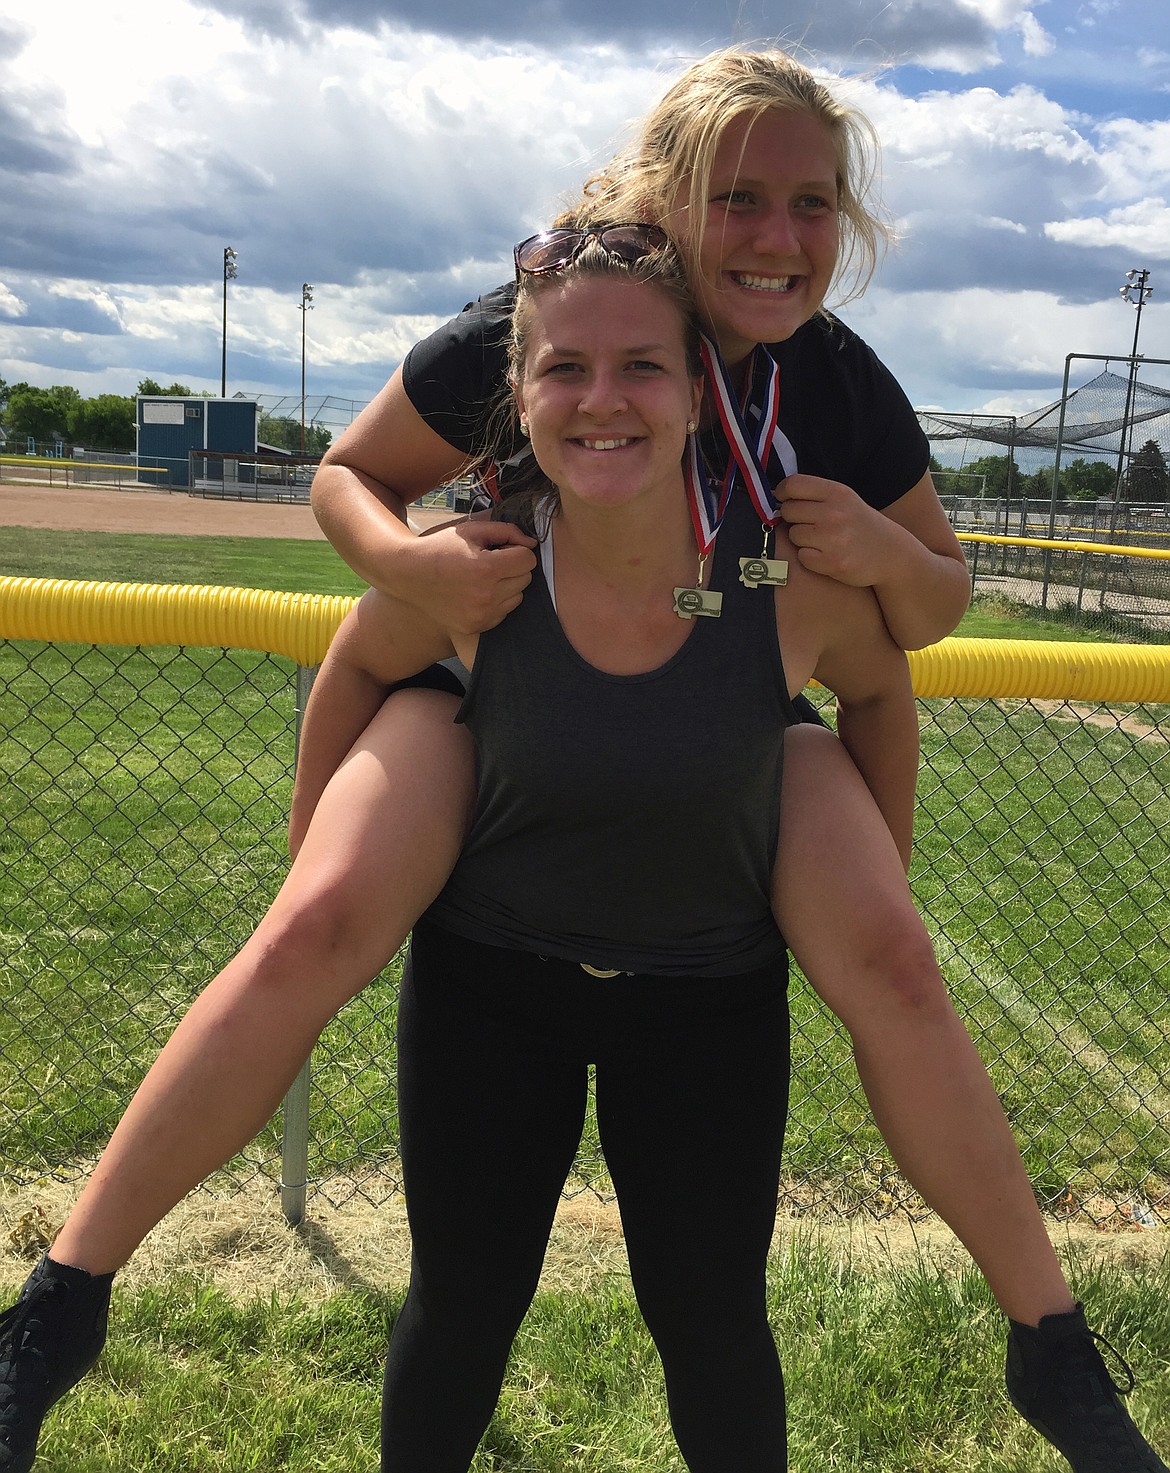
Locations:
840 407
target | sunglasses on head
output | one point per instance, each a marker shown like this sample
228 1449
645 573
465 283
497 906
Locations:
553 250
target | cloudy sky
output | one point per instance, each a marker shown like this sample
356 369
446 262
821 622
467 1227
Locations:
390 151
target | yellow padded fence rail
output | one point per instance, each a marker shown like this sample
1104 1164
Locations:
1053 544
59 462
300 626
1034 669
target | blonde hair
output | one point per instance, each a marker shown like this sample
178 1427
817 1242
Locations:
668 167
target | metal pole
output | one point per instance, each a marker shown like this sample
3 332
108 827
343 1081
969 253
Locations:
1056 479
306 306
294 1151
229 271
1137 282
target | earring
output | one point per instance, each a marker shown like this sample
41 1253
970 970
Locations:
524 430
692 426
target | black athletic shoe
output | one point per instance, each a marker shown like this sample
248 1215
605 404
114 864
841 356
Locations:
48 1340
1059 1383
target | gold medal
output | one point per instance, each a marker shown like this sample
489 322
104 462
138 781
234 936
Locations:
755 572
763 571
688 602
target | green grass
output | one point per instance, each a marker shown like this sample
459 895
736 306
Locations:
888 1370
281 564
1000 619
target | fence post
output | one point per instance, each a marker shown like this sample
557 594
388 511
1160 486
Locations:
294 1148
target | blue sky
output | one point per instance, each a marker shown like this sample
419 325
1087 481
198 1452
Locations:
390 153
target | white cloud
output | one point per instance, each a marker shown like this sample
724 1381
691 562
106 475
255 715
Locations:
944 125
97 297
10 304
103 61
1135 157
959 350
1142 228
393 169
1037 41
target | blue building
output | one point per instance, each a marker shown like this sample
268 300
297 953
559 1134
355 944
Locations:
170 428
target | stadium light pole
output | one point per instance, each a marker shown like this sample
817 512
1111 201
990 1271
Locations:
229 272
306 306
1135 291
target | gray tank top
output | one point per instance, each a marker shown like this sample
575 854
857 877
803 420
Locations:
629 821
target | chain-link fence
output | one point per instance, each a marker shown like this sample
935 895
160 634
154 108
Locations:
82 468
1119 585
142 836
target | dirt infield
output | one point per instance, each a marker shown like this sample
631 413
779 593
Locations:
99 509
96 509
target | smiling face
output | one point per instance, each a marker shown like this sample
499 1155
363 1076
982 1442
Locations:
606 389
764 249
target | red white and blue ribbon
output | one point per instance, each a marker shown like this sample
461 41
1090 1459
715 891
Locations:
705 496
761 453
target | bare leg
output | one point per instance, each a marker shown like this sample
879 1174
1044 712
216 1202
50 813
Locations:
840 896
385 836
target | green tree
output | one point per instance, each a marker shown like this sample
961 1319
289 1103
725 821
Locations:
1087 480
1147 478
41 413
1037 486
176 390
996 472
284 433
103 423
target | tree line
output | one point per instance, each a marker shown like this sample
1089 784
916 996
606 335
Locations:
1145 480
107 421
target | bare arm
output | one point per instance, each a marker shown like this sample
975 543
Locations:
907 554
469 574
381 641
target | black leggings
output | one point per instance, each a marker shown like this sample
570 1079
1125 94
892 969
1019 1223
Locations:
692 1095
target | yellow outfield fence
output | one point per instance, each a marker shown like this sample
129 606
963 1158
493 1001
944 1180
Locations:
300 626
297 625
147 742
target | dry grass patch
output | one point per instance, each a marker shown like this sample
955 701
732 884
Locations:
240 1242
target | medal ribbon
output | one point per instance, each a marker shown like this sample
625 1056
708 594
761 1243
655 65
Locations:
707 500
763 456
